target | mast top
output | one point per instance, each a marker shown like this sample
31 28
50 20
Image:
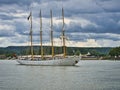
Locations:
40 15
63 19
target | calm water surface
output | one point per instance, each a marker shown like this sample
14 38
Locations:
87 75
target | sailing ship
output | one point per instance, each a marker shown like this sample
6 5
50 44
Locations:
54 60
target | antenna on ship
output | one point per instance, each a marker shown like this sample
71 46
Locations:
52 34
31 46
41 35
63 35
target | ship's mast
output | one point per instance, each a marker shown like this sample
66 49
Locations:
52 34
31 35
41 35
63 35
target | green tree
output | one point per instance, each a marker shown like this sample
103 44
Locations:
77 53
95 53
115 52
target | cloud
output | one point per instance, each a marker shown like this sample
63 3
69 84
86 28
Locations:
109 5
108 43
85 20
19 2
7 30
95 23
87 43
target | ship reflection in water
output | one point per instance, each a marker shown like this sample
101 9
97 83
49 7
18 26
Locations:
87 75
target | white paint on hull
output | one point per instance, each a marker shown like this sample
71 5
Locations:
70 61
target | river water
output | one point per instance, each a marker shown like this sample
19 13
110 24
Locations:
86 75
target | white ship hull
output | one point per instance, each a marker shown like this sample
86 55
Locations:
70 61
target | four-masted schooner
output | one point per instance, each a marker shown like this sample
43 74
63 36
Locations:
53 60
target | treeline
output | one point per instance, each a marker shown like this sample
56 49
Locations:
25 50
115 52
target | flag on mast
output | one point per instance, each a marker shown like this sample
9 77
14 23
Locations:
29 16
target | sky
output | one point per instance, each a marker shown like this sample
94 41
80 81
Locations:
88 23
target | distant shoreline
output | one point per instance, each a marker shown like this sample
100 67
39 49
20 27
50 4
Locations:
83 59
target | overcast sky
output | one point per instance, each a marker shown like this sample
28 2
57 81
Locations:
88 23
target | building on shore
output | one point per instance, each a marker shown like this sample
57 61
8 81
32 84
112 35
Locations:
88 56
2 56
